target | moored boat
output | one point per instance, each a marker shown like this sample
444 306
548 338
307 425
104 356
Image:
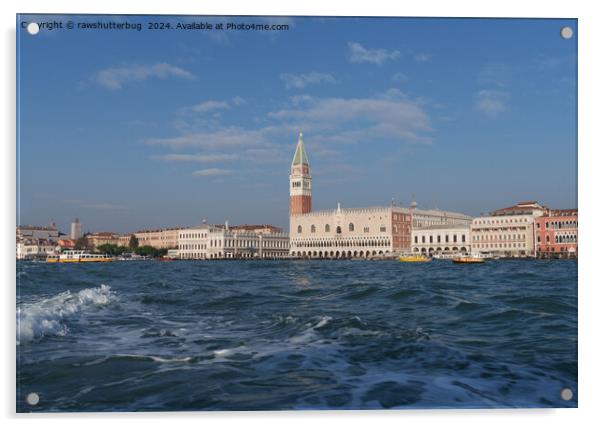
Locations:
414 258
469 259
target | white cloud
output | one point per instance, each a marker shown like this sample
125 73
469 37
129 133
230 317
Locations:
390 116
212 105
196 158
231 137
299 81
115 77
212 172
422 57
491 102
203 107
358 53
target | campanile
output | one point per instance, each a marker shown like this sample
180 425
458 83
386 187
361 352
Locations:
300 181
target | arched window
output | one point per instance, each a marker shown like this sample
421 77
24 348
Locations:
313 228
299 229
351 226
339 231
327 228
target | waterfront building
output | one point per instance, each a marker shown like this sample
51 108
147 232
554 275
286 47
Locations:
163 238
223 242
442 239
507 232
556 234
76 230
38 232
124 240
30 248
102 238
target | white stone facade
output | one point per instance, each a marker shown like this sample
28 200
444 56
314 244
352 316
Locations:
510 235
442 240
350 233
33 248
217 242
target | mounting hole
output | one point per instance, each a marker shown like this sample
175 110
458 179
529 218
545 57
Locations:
33 28
566 33
566 394
32 399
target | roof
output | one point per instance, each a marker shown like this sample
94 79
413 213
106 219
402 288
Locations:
300 157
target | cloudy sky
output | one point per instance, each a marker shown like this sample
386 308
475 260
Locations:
129 130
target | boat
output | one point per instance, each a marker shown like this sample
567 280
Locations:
469 259
78 256
414 258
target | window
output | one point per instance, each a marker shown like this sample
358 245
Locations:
313 228
327 228
423 239
383 228
339 231
415 239
366 229
463 238
299 229
351 228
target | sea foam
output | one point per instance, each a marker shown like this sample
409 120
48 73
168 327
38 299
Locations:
48 317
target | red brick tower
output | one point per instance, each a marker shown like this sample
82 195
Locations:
300 181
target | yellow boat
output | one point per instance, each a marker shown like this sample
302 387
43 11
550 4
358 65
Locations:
78 256
469 260
414 258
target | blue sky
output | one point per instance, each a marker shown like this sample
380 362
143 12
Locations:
129 130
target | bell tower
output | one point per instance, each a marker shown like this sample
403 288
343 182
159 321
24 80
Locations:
300 181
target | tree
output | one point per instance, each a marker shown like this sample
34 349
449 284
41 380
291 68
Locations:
134 242
82 244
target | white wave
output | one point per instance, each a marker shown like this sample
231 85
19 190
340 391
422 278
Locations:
47 317
309 334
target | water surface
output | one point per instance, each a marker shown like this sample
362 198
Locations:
263 335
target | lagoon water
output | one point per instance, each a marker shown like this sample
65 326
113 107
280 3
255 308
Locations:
273 335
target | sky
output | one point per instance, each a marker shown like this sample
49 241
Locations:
129 130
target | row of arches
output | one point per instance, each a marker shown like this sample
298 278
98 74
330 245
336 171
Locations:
341 243
337 254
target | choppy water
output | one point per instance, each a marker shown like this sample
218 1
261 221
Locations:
264 335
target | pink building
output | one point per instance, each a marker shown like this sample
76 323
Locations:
556 234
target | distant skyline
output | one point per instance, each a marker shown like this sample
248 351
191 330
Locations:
129 130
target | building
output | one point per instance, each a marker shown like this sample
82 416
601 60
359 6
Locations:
102 238
340 232
507 232
38 232
76 230
163 238
424 218
442 239
124 240
259 228
223 242
556 234
66 243
30 248
350 233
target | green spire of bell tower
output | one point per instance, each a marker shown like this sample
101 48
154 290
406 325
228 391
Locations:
300 154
